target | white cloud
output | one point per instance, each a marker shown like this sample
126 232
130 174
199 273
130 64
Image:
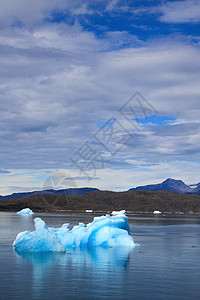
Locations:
33 13
58 81
187 11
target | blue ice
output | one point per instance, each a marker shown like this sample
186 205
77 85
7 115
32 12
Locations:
25 211
106 231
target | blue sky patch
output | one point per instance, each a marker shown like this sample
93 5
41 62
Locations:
142 19
156 120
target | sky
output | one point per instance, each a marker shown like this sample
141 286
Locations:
98 93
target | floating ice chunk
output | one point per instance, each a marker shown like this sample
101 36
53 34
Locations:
40 240
106 231
89 211
157 212
121 212
25 211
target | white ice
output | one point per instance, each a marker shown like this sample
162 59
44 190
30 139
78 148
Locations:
157 212
121 212
25 211
106 231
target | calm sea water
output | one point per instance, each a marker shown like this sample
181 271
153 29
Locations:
166 265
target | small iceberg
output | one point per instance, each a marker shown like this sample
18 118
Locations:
157 212
106 231
115 213
25 211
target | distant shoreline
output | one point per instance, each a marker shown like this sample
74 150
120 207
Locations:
134 202
108 212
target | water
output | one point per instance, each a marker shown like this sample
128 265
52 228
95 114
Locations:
165 266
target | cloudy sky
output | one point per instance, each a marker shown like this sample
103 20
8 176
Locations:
98 93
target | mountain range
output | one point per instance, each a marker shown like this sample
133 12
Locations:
167 185
170 185
70 191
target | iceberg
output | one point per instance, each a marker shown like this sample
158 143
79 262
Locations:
105 231
40 240
25 211
115 213
157 212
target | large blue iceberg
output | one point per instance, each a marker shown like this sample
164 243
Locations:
25 211
106 231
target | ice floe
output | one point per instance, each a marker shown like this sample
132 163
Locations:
25 211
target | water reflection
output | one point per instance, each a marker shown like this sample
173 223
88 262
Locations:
74 266
115 257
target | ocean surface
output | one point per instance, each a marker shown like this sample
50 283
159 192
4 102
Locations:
166 265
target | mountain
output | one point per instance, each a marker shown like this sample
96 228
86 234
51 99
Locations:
70 191
167 185
197 189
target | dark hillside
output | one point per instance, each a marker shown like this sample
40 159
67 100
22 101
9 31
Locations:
134 201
